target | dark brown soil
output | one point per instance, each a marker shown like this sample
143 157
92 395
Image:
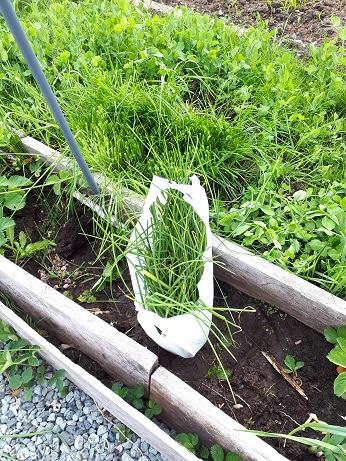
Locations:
308 23
269 403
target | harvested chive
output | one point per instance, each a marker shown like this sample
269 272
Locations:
171 254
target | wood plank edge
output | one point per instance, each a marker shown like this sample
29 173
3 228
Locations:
128 415
263 280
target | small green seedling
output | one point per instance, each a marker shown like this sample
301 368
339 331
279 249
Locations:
131 395
338 356
216 452
120 390
87 297
21 248
292 365
123 432
219 373
18 359
12 198
189 441
152 409
57 380
134 396
56 181
7 333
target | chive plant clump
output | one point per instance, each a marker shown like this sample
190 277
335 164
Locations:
172 261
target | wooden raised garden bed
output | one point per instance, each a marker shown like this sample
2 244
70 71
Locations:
183 408
235 265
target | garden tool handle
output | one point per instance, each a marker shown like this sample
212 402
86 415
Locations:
19 35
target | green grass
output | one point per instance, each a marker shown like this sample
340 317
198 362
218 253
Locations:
148 94
170 256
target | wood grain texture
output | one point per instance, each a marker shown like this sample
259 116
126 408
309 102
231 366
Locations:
119 355
263 280
245 271
128 415
186 410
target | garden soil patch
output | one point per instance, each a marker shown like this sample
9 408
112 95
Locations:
268 402
308 23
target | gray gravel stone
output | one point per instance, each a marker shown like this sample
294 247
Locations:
6 448
79 442
127 445
54 456
126 457
144 446
102 430
31 446
3 428
69 414
152 457
69 397
23 453
37 390
79 404
51 417
87 425
152 451
75 418
64 449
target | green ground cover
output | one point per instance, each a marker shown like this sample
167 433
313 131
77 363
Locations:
176 96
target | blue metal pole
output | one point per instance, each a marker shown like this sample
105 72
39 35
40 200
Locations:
23 43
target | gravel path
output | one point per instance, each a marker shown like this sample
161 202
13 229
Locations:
88 433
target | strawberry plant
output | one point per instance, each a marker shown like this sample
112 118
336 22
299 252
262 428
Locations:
12 199
215 453
217 371
218 454
304 233
18 360
134 396
338 357
292 365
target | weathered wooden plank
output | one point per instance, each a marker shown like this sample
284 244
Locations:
263 280
51 156
186 410
119 355
132 418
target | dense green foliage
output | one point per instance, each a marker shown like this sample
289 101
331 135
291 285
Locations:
179 94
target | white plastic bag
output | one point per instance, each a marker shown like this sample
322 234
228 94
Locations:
183 334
